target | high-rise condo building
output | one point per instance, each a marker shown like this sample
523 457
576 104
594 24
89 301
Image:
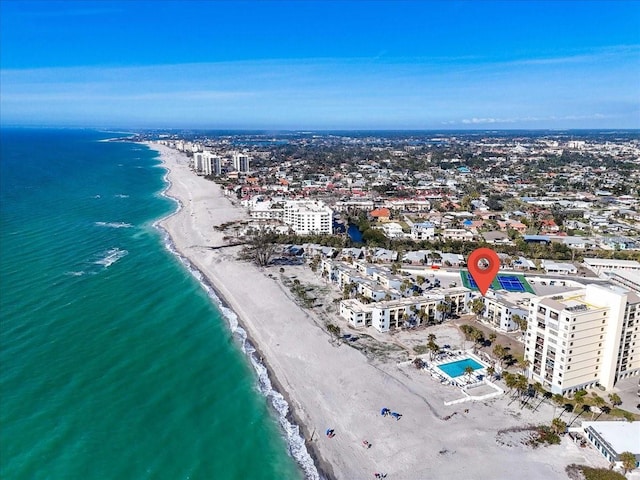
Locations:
583 338
241 162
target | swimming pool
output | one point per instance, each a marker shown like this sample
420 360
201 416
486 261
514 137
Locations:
456 369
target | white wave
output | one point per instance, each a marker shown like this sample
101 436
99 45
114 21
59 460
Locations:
110 257
295 441
96 196
121 195
75 274
113 224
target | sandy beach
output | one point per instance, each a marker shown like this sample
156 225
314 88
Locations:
329 386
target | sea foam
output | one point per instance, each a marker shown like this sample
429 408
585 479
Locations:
114 224
110 257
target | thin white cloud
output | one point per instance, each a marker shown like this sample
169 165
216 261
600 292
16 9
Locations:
550 118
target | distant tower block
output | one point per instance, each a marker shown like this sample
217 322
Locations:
241 162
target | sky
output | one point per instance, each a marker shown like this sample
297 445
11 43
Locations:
321 65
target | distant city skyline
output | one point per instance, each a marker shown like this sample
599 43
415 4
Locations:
321 65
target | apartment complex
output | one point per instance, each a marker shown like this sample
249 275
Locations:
583 338
402 312
308 217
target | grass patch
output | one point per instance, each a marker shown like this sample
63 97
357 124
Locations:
420 349
579 472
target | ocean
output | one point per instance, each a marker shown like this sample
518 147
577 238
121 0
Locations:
116 362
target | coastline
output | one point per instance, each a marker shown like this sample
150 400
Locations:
326 386
268 383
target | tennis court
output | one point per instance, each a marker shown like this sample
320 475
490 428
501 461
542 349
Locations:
510 283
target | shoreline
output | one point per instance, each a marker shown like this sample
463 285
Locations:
330 386
244 338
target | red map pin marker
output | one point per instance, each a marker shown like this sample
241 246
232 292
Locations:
483 265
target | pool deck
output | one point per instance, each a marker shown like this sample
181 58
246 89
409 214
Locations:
484 388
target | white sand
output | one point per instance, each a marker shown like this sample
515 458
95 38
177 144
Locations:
336 387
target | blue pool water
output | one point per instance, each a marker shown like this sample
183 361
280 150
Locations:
456 369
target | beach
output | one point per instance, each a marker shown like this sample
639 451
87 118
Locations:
330 386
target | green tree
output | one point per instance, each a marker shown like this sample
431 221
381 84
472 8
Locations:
477 306
443 309
615 399
558 426
477 336
468 371
500 352
598 403
628 460
434 348
521 322
524 365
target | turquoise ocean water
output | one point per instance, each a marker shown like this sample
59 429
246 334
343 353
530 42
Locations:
115 362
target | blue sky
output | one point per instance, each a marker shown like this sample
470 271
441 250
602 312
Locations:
321 65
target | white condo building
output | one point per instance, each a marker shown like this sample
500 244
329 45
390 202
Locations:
308 217
207 163
212 164
241 162
583 338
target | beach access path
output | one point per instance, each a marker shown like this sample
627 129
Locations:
329 386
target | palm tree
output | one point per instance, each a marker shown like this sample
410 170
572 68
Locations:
334 330
628 461
431 337
477 337
579 403
468 371
524 365
605 409
558 426
522 384
598 402
614 398
509 380
491 371
433 348
442 308
558 400
568 407
499 351
492 337
545 395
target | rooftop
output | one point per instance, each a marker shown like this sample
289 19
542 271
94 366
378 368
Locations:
621 436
